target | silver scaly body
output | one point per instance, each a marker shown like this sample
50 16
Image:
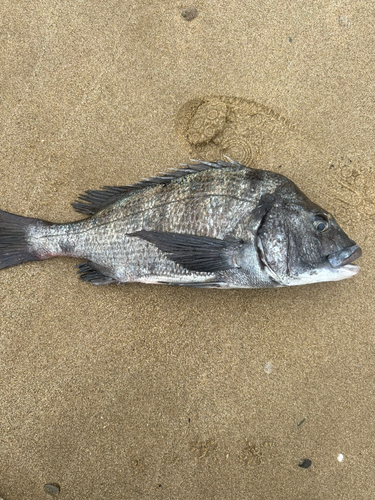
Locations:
215 202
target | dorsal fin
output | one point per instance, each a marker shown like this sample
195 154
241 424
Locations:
93 201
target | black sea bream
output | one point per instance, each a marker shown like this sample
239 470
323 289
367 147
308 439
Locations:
207 225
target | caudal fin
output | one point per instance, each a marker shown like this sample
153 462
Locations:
14 248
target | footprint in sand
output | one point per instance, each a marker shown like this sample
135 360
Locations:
257 454
353 190
213 127
217 126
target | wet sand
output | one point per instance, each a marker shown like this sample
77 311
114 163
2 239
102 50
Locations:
129 392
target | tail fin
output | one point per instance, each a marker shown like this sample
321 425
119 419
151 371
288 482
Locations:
14 248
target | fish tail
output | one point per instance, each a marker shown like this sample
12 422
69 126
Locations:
14 242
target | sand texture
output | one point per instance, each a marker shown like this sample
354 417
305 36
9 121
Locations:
148 392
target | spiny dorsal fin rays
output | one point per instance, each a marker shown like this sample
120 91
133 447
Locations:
93 201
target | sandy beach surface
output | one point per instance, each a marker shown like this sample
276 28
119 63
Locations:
151 392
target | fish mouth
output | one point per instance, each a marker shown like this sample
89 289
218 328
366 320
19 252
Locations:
345 257
338 267
340 263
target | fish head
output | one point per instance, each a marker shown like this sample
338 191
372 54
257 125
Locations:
300 243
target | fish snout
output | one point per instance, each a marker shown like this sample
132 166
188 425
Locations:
345 256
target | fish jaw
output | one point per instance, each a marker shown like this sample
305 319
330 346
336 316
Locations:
338 267
324 274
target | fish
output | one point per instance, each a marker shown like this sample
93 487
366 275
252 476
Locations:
208 224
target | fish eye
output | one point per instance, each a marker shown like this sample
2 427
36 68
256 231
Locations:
320 223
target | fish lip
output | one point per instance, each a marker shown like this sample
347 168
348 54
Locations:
344 257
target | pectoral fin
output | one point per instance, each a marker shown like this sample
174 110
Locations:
195 253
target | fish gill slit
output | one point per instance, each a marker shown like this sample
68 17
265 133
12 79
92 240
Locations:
288 255
259 254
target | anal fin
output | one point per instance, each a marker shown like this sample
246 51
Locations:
91 273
